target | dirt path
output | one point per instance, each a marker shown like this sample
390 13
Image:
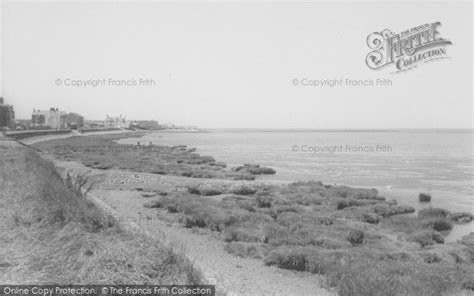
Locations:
236 276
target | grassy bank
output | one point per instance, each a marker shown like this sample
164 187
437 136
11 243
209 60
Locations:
50 234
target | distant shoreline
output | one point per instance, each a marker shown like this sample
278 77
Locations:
441 130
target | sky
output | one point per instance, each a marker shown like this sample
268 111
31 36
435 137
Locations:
233 64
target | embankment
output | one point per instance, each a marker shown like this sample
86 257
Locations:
52 234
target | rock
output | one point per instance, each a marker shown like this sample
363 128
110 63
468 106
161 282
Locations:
383 210
437 237
153 204
430 257
190 222
241 176
187 174
207 159
356 237
342 204
254 169
468 240
359 193
371 218
423 197
235 233
103 166
172 208
209 191
426 237
148 194
242 190
387 211
194 190
179 147
159 172
205 191
433 213
219 164
438 224
264 201
460 217
403 209
392 202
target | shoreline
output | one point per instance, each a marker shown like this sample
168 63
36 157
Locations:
400 195
408 196
205 205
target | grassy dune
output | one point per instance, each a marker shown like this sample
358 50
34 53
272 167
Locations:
50 234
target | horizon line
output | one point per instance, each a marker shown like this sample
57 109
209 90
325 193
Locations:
344 129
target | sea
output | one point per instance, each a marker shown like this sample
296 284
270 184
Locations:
400 164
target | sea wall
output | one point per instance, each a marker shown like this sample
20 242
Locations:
34 133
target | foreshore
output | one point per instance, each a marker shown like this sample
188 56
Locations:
307 229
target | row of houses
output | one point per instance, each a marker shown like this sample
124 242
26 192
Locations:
57 119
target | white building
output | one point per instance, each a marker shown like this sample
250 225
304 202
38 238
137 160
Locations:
115 122
52 118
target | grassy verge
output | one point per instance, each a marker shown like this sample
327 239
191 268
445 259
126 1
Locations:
50 234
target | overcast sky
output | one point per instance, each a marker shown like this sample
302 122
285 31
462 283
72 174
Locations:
233 64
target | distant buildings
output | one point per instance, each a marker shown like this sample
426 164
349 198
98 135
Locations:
52 118
58 120
115 122
74 121
7 115
94 124
22 124
145 124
